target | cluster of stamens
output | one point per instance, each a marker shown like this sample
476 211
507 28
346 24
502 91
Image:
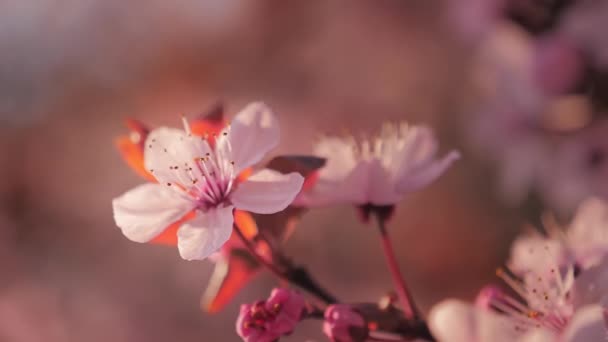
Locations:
208 178
260 315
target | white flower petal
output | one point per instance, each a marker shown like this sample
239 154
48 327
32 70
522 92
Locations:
352 189
418 146
456 321
267 191
340 157
424 175
145 211
253 132
586 325
199 238
381 189
170 155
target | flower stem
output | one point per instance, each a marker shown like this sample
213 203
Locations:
296 275
407 302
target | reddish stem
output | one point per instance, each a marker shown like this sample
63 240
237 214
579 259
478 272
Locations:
296 275
270 266
409 309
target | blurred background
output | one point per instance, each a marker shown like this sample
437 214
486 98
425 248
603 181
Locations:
71 72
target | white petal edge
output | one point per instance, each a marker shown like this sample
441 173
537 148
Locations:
353 189
143 212
253 132
208 232
267 191
417 179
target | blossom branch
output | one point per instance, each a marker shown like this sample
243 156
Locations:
407 301
294 274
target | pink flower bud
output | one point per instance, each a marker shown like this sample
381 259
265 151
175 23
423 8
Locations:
266 321
343 324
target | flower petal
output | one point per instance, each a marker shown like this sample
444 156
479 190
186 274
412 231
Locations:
353 189
340 157
145 211
590 286
253 132
426 174
539 335
587 324
456 321
201 237
170 155
587 234
267 191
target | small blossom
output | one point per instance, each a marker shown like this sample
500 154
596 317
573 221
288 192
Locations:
267 321
200 181
343 324
378 171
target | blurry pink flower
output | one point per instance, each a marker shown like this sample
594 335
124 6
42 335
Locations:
556 292
585 23
266 321
455 321
525 113
558 64
583 244
580 168
343 324
474 19
195 177
378 171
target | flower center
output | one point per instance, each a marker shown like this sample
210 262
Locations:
546 298
208 179
260 315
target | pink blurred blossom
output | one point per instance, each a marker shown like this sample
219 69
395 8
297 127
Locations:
558 64
579 169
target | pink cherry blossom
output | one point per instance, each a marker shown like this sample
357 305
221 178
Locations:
343 324
195 177
266 321
377 171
